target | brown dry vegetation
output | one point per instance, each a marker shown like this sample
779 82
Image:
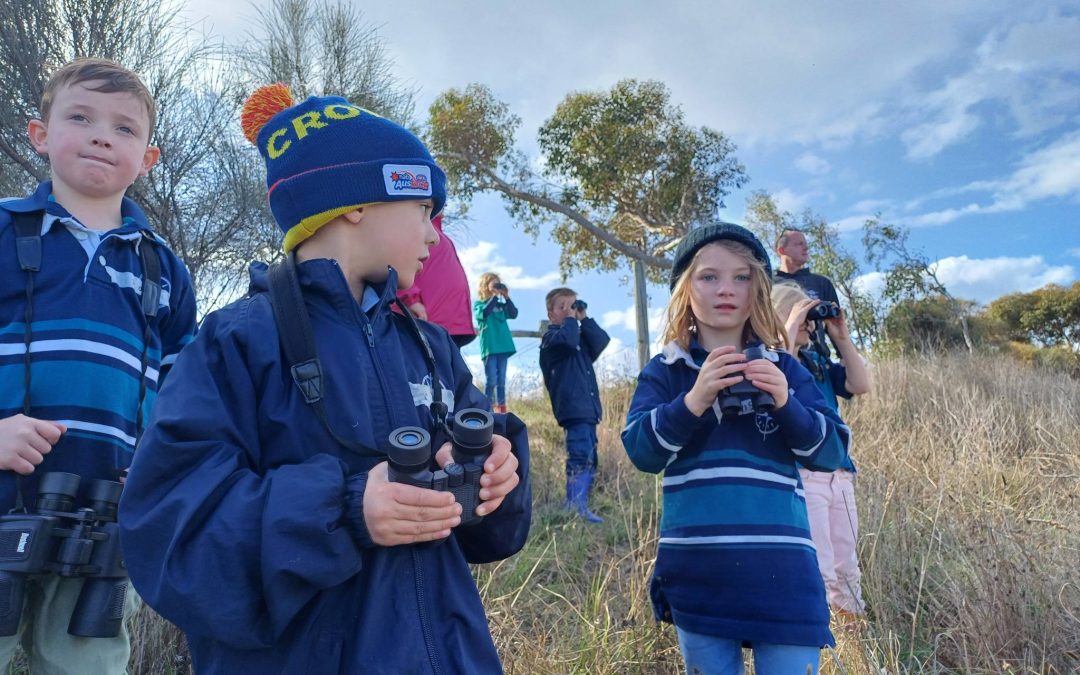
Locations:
970 546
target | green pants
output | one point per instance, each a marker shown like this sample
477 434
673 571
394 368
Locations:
50 598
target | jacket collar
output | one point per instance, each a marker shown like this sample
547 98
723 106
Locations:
323 278
133 217
695 356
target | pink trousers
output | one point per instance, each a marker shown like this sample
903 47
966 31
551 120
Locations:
834 526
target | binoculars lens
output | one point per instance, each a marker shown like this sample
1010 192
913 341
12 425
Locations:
409 438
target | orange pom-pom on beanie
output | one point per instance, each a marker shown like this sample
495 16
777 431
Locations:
264 103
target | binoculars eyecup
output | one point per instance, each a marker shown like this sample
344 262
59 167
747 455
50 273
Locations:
731 400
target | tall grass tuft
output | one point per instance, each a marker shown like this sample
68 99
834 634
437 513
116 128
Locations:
969 503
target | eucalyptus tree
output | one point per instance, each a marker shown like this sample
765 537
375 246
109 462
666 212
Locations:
621 177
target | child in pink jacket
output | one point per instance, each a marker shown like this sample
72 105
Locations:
440 293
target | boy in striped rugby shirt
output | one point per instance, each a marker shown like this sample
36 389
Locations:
80 357
736 563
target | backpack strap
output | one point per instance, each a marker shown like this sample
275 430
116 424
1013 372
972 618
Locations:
28 249
439 409
151 281
151 296
298 341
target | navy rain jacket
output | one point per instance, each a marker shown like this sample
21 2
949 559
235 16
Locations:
567 353
243 519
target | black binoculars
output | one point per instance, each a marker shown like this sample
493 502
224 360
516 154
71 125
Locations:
824 310
579 305
734 399
410 459
58 538
500 287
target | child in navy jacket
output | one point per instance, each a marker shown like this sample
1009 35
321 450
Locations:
568 349
736 561
275 547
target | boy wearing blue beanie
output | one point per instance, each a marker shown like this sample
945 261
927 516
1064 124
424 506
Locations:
261 518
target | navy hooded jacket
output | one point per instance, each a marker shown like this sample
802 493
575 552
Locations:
243 519
567 353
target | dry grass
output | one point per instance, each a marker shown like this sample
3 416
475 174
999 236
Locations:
970 541
970 545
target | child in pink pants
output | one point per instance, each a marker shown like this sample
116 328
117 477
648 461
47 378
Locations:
830 496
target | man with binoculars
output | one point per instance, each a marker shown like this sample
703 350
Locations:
794 255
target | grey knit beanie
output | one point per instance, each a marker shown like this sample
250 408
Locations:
707 234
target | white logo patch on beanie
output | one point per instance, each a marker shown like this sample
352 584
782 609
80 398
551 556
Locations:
407 179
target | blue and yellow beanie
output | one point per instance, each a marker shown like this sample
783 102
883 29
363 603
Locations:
326 157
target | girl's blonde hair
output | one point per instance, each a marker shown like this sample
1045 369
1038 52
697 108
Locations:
784 298
482 289
763 323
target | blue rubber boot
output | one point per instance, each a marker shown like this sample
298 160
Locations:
577 496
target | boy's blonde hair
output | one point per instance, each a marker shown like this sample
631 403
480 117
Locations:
111 77
763 323
554 293
482 289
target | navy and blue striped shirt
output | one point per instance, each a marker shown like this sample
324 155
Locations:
736 559
87 335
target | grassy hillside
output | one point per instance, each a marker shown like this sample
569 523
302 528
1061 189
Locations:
969 501
970 545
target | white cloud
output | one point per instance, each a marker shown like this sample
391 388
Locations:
812 164
930 138
1024 68
852 223
627 319
943 216
871 205
985 279
872 283
791 72
792 202
1074 252
483 258
1050 172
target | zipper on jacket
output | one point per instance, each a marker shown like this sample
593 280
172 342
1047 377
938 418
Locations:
376 365
421 603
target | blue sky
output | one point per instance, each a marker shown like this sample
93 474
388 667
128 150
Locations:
960 120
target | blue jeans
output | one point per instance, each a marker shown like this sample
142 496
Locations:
710 655
580 448
495 377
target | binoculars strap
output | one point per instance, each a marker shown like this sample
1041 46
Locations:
301 353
